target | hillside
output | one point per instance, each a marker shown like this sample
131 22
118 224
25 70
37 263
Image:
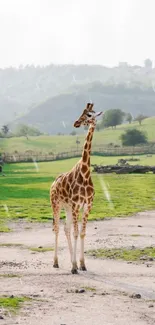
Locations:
27 87
60 143
58 113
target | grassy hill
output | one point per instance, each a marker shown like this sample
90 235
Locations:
53 113
63 143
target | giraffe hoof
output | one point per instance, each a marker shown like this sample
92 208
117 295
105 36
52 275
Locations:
83 268
74 271
56 265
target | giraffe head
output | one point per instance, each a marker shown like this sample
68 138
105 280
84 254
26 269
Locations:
88 116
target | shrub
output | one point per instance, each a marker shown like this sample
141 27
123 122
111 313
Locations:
133 137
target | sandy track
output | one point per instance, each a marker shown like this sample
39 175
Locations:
53 291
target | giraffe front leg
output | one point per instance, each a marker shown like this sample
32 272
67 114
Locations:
82 237
56 230
76 233
67 229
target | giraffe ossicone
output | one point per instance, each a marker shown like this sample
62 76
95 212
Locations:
74 191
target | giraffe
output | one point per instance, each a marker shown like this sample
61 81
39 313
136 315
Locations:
74 191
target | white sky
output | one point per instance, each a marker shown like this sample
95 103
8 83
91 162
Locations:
76 31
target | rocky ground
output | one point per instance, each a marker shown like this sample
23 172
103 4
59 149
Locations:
110 292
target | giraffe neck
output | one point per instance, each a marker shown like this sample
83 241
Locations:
87 146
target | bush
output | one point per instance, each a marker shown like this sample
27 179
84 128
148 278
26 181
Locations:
133 137
73 133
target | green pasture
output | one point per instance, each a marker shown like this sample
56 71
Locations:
56 144
24 191
134 254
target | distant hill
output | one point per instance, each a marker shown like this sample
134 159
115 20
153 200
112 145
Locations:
23 89
61 143
57 114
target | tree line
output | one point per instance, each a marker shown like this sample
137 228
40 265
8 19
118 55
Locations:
21 130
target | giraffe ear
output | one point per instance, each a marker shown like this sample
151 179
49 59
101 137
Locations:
98 114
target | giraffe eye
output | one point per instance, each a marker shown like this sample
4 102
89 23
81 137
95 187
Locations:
89 115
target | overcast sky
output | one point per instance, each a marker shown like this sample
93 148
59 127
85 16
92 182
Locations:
76 31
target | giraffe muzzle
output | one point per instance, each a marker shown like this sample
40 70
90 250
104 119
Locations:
77 124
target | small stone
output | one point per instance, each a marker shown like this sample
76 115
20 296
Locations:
143 258
82 290
76 291
41 290
148 265
95 227
151 259
1 317
12 296
139 226
151 305
40 247
136 296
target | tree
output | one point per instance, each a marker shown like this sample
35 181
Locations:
98 127
5 129
133 137
129 118
148 64
140 118
112 117
25 130
73 133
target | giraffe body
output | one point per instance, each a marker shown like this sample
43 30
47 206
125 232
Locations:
74 191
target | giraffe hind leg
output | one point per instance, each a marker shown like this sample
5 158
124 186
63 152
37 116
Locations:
67 229
76 233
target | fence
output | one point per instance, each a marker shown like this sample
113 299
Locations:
97 150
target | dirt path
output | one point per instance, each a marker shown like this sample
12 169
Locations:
108 284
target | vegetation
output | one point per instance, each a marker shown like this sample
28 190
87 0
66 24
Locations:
5 129
25 130
112 117
63 143
140 118
129 118
41 249
133 254
12 303
25 191
133 137
9 275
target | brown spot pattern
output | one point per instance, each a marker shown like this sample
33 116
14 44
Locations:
64 193
75 189
84 168
84 156
89 190
82 191
80 179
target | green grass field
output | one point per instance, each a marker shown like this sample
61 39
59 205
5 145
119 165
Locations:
134 254
25 191
57 144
